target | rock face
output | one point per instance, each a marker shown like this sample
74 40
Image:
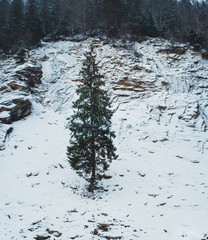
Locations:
14 110
31 75
17 84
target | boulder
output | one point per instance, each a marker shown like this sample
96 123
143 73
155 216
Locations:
14 110
42 237
16 86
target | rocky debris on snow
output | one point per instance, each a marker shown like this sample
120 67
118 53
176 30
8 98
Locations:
205 236
161 204
32 174
95 232
54 233
153 195
112 237
42 237
35 226
107 177
72 211
104 227
141 174
5 131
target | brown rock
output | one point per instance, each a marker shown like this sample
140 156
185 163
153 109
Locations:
17 108
104 227
174 50
95 232
4 89
42 237
15 86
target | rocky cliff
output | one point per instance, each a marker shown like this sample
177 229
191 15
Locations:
157 189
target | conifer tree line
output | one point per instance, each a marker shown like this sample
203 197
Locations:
23 23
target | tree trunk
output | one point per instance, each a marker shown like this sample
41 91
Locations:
92 180
91 186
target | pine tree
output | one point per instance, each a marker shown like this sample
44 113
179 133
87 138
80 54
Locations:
113 16
91 15
168 19
14 29
4 9
134 16
91 145
58 21
45 16
33 27
185 13
149 26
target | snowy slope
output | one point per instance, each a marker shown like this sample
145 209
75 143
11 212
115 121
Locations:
158 187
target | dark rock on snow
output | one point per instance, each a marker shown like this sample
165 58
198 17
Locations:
17 109
42 237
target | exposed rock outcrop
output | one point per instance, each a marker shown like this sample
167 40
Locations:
180 50
14 110
31 75
17 83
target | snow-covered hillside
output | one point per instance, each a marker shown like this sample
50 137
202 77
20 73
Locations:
157 189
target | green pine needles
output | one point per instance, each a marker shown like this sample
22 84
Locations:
91 148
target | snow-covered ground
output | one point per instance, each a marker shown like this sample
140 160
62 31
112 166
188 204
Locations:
157 189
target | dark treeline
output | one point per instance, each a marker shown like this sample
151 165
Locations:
24 24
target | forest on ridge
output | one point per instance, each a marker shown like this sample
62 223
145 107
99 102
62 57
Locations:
25 23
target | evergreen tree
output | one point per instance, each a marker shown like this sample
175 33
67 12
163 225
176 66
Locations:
113 15
92 15
134 16
33 27
185 13
14 28
149 26
70 21
45 16
173 19
58 18
62 28
168 19
91 148
4 9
